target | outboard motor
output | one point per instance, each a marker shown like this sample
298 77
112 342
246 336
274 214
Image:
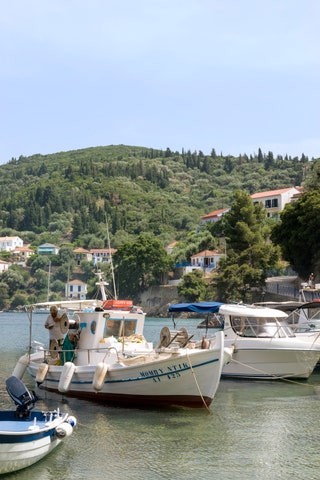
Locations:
21 396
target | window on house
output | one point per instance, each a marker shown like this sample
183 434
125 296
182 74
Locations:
267 204
275 202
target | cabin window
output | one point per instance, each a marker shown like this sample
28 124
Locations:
260 327
120 328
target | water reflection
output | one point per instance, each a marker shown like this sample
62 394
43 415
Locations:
255 430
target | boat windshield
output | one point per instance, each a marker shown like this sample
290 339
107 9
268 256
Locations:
120 328
260 327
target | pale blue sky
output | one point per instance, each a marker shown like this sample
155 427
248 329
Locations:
233 75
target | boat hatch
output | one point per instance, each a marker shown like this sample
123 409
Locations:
120 328
260 327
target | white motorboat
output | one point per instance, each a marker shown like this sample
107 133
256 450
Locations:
265 346
27 436
113 362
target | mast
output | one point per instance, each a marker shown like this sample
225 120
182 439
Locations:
102 284
49 273
111 262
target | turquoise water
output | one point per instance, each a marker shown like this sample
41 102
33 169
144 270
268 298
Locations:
255 430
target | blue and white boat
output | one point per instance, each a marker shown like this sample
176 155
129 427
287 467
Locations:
25 436
110 361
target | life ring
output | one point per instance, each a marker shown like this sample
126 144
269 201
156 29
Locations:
64 323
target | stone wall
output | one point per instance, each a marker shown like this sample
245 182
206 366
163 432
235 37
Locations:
156 300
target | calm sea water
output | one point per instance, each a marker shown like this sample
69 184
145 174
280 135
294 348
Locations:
255 430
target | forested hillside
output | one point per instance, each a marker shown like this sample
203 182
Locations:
67 196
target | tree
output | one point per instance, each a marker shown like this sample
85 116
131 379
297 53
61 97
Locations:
38 261
243 223
193 286
13 279
4 295
139 264
298 234
250 254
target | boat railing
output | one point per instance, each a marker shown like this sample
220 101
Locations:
61 356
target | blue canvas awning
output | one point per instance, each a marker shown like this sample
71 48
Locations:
199 307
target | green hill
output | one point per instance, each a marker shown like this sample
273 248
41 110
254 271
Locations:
67 196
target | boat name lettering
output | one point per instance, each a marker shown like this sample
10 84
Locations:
180 366
151 373
171 372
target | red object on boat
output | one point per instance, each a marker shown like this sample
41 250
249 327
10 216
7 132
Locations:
117 305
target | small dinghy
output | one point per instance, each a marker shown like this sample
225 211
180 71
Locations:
25 436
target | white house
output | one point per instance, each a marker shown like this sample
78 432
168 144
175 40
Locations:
274 201
4 266
76 290
8 244
102 254
207 259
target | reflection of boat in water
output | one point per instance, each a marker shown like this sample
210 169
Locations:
265 346
113 362
26 437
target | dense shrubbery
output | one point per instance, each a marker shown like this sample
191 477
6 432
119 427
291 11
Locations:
69 198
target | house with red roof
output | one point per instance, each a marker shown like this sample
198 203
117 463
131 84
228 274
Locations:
274 201
214 216
102 254
207 259
82 254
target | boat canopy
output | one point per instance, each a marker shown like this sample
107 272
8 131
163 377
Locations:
199 307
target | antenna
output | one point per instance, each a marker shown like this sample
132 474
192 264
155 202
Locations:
111 262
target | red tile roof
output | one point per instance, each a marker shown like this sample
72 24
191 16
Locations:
272 192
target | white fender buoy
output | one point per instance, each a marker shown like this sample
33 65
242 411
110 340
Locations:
21 366
64 430
227 354
72 420
66 376
42 372
99 376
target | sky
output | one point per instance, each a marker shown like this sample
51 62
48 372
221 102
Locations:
229 75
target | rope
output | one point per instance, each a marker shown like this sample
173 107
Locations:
275 377
197 384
